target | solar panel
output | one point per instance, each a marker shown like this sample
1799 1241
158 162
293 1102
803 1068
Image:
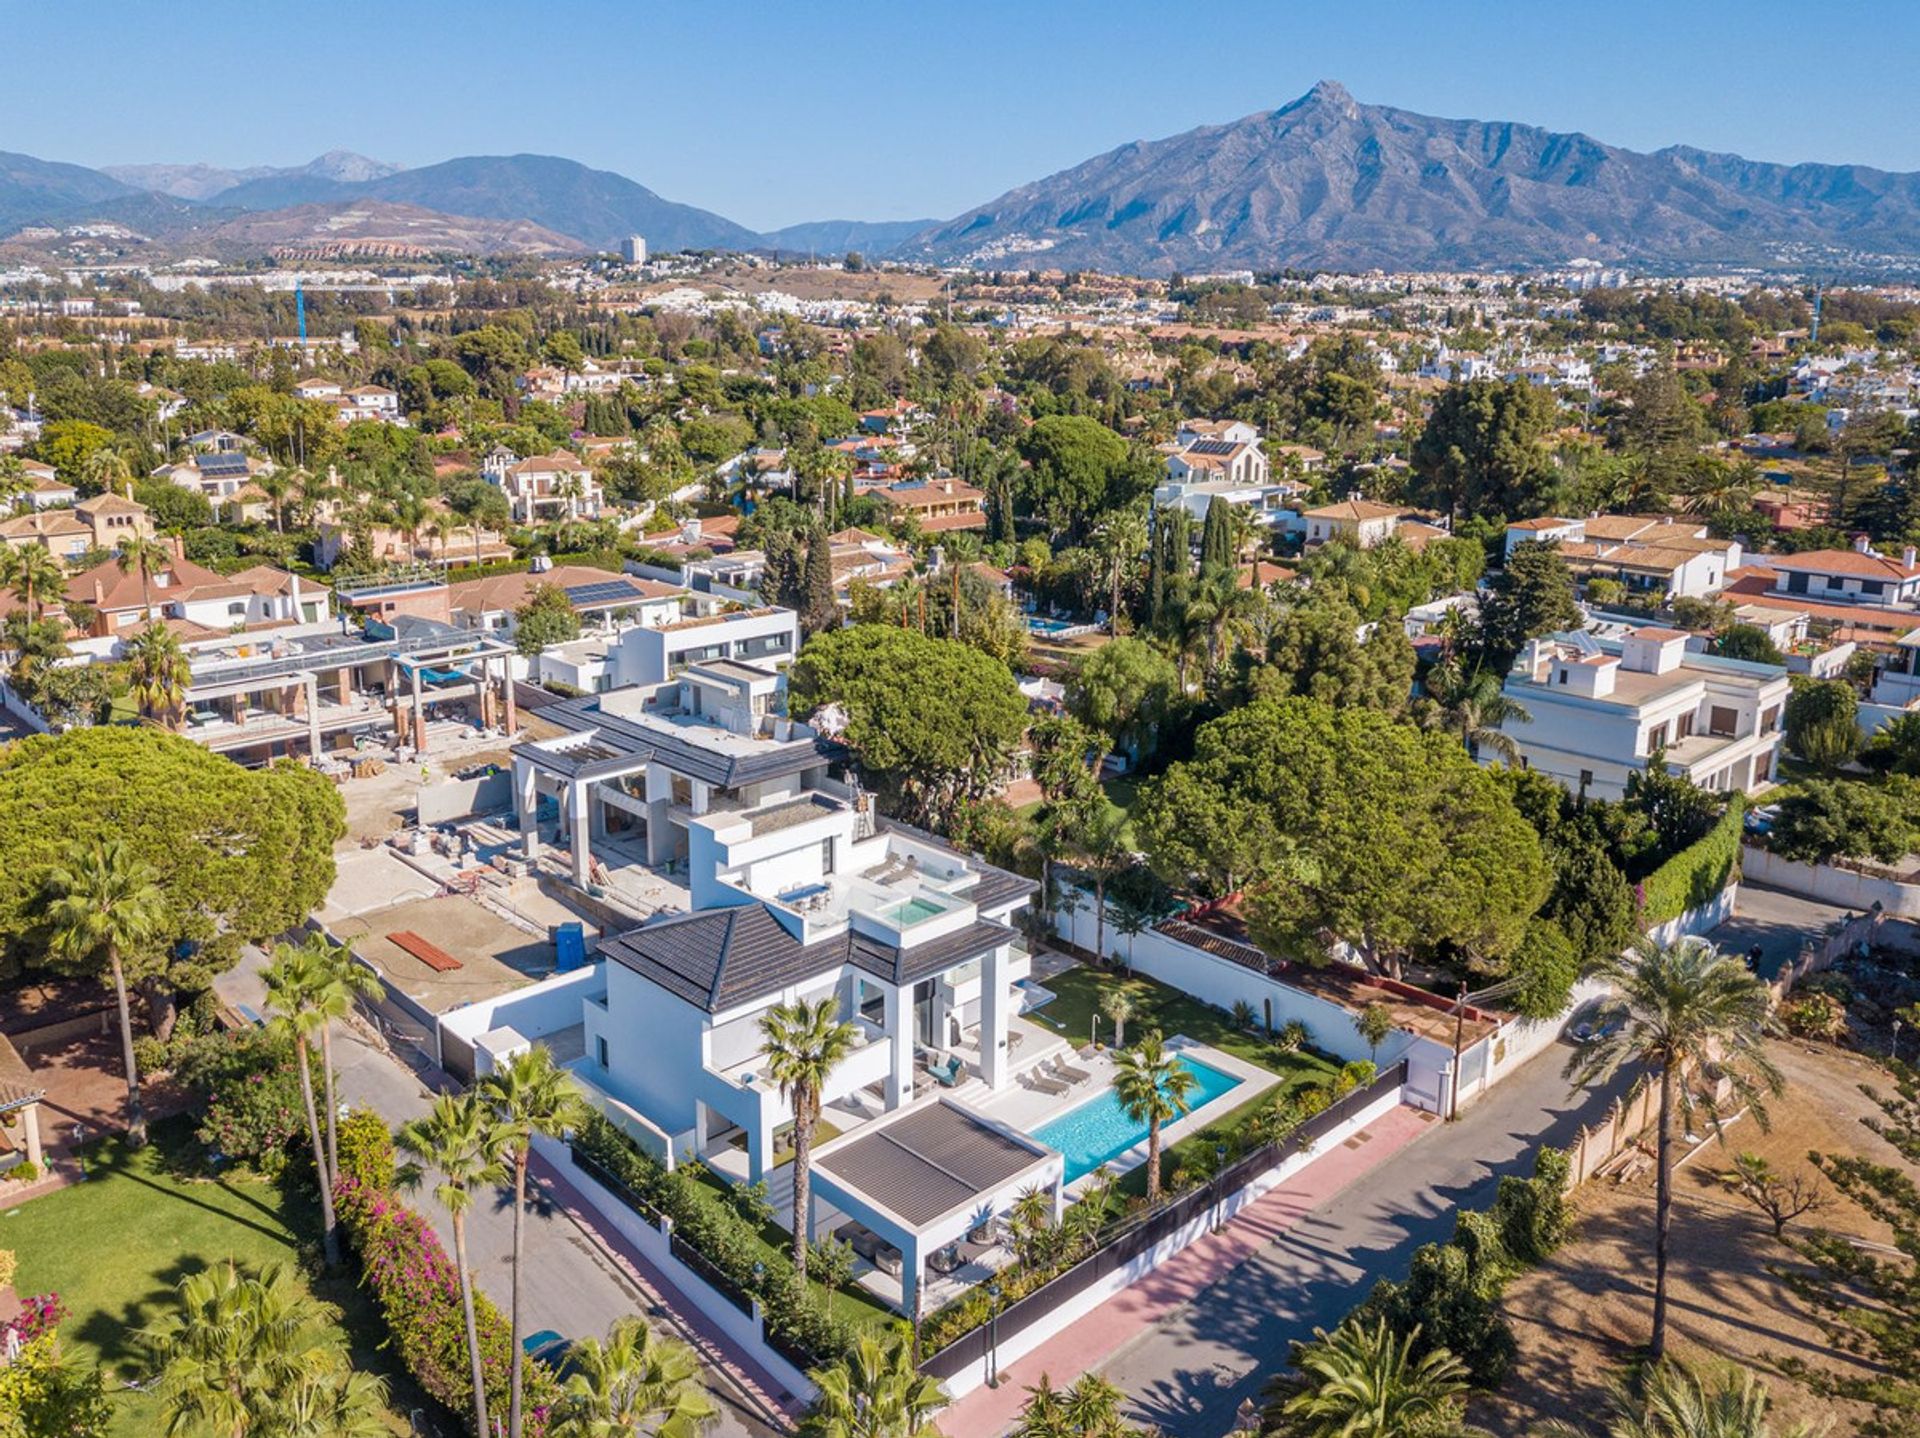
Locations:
1212 446
600 593
222 465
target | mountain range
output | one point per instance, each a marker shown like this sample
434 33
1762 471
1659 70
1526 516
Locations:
1323 182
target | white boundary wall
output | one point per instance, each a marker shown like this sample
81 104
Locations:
1017 1346
1831 884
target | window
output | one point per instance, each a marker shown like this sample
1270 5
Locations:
1656 738
1722 721
1796 584
600 1049
237 610
1683 726
1770 721
1563 676
826 856
1872 586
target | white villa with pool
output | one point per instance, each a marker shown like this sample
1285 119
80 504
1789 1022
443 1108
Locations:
950 1106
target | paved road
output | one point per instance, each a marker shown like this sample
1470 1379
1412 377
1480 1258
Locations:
1777 922
1191 1372
568 1284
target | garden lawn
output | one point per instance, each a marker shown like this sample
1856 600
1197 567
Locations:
852 1303
1157 1006
115 1248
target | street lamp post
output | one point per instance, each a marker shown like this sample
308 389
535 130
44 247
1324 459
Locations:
993 1337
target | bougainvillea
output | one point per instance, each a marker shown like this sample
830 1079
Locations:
39 1314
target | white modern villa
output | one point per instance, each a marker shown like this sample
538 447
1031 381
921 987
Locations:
950 1105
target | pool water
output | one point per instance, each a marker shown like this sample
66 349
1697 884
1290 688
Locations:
912 912
1099 1131
1047 626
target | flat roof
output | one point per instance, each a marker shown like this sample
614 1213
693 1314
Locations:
929 1162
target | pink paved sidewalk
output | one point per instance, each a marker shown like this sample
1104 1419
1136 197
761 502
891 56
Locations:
713 1346
1091 1341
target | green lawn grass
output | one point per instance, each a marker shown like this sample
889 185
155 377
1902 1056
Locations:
1157 1006
115 1248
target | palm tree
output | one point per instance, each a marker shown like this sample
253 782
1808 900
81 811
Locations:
103 905
292 979
456 1138
1677 1008
107 471
1117 1004
1362 1381
1475 706
148 556
1134 913
1097 835
873 1392
531 1096
276 485
1091 1408
1218 616
805 1043
255 1355
337 982
158 674
35 577
1674 1401
632 1379
1153 1089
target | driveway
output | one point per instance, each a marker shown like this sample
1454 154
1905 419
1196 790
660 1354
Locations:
1189 1374
1778 922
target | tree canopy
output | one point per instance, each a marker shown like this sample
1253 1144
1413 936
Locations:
1343 822
237 853
933 720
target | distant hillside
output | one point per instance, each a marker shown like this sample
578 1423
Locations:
1329 182
876 239
206 182
33 189
597 207
373 224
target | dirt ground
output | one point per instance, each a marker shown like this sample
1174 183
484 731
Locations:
495 957
378 807
1584 1314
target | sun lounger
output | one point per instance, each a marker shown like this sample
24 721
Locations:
1068 1072
1036 1079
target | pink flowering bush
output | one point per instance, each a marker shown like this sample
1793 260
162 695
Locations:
40 1314
414 1280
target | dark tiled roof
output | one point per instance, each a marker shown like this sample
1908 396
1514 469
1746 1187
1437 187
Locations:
994 888
932 1161
771 761
724 957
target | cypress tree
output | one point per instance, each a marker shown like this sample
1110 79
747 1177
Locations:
1157 570
821 610
1216 539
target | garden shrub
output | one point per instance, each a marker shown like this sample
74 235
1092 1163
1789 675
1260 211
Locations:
366 1150
1454 1306
251 1090
1814 1016
1532 1214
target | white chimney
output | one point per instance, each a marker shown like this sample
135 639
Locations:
1908 555
1860 544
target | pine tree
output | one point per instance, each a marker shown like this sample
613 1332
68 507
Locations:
781 584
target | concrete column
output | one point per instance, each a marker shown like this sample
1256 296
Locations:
582 829
996 1005
526 792
343 677
419 711
486 694
506 685
30 1123
912 1270
760 1146
311 690
899 1019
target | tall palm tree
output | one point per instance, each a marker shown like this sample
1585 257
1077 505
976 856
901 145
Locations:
292 979
147 556
805 1043
1154 1088
633 1380
1100 843
1676 1008
1117 1004
337 981
158 674
1675 1401
1476 707
531 1096
456 1138
1362 1381
102 905
873 1392
1218 617
108 472
247 1355
35 577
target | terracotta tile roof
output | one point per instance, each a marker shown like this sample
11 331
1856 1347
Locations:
1844 561
1657 635
1356 511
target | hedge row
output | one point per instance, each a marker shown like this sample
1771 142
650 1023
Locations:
417 1286
716 1228
1694 875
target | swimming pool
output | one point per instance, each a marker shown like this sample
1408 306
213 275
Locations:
1099 1130
911 912
1048 626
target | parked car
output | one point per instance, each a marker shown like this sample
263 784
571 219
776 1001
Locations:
1589 1025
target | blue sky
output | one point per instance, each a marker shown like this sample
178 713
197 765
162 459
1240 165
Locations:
793 110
